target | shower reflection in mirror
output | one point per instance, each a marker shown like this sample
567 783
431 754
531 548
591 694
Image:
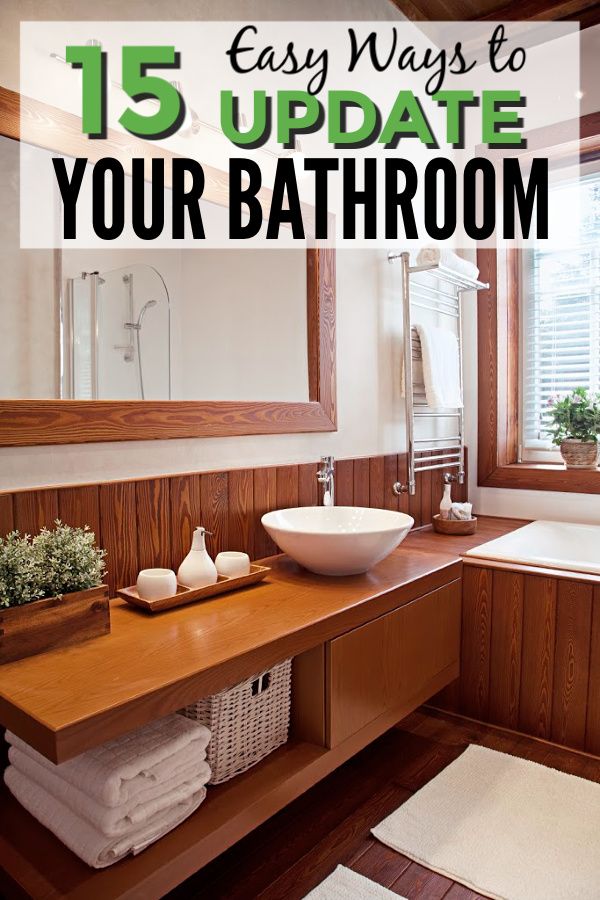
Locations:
116 336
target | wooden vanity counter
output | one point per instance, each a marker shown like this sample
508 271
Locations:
66 701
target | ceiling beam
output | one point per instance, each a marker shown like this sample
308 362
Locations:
586 12
547 10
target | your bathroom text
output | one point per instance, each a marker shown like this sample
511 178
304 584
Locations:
378 198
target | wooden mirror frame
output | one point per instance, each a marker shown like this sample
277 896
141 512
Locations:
31 422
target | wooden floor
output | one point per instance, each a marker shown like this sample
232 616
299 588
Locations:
330 824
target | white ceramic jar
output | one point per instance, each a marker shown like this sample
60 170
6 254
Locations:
156 584
233 563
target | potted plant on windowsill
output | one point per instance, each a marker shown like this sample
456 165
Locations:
575 426
51 591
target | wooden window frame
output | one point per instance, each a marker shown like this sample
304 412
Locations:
32 422
498 347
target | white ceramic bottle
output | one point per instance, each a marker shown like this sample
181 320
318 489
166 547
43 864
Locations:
446 504
197 569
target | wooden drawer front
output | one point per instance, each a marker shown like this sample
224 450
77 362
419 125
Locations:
394 663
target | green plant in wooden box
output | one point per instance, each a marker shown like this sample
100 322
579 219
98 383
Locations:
51 590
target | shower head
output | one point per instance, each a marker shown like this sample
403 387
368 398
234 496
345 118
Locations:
145 307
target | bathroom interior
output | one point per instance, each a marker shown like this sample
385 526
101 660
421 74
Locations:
302 598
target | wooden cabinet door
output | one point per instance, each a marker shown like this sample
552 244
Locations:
387 668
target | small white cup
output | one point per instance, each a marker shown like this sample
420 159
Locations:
233 563
156 584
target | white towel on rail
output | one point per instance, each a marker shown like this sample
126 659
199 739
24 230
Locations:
441 367
441 256
114 820
86 841
115 772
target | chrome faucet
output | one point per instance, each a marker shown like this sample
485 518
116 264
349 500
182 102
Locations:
326 477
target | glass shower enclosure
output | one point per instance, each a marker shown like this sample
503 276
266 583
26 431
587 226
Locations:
116 341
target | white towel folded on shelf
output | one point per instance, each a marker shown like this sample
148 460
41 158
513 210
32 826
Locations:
146 807
441 367
441 256
117 771
91 845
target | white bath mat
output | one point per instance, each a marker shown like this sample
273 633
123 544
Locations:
505 827
344 884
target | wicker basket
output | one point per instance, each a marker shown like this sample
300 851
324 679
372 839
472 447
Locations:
247 722
454 526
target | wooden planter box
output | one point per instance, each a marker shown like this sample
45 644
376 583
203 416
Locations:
53 622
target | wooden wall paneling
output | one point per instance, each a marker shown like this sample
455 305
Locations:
79 506
241 511
186 513
287 486
476 641
390 477
376 482
592 734
361 481
425 496
309 490
404 500
153 523
265 499
537 655
7 520
34 509
571 663
344 482
118 526
214 500
505 648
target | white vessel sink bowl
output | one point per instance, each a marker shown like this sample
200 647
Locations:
337 540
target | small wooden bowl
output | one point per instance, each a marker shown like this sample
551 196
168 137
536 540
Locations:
454 526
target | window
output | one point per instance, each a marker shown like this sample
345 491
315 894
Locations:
560 314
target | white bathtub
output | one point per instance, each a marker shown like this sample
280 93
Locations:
552 545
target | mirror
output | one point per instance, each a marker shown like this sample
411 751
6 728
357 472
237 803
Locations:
185 325
150 324
242 342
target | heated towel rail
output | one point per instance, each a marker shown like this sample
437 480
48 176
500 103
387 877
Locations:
443 295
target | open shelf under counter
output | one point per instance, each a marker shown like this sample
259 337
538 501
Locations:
35 862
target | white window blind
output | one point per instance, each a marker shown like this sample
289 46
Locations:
561 312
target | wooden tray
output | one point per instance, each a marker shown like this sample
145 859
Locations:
223 585
454 526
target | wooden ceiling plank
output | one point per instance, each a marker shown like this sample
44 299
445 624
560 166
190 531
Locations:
532 10
586 12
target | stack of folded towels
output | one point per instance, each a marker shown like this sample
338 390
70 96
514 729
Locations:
117 798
